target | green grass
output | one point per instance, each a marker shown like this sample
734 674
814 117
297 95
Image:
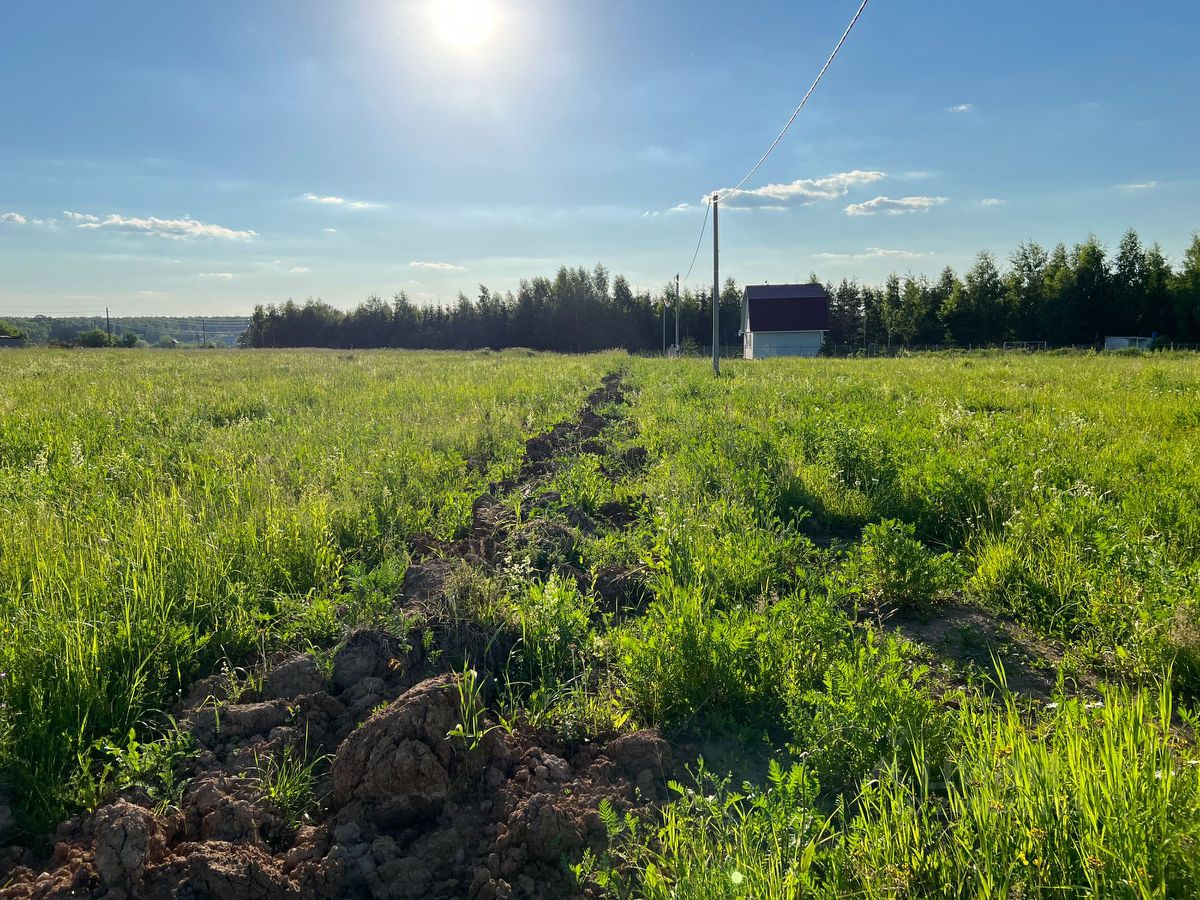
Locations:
162 513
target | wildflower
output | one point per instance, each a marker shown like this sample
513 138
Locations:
736 877
1093 862
1037 834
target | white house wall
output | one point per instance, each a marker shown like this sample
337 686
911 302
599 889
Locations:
764 344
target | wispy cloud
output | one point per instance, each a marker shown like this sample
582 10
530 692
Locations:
803 190
991 201
960 108
340 201
331 231
300 270
896 207
172 229
13 218
439 266
1138 186
222 276
874 253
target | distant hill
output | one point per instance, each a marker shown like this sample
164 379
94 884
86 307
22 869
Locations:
222 331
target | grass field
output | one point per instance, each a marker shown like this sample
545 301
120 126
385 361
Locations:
931 623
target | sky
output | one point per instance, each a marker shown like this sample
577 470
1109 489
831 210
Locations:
165 158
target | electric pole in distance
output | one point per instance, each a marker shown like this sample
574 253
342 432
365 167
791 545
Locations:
716 303
108 325
677 312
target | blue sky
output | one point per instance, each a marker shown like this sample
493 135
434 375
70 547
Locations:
201 158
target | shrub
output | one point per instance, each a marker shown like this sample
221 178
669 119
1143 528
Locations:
892 566
872 709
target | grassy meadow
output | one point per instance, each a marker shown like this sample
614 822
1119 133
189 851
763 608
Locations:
163 514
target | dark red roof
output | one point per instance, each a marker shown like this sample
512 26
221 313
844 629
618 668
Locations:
787 307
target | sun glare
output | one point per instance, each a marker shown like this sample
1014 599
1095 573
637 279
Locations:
463 23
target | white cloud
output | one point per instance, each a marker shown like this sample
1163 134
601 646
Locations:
439 266
13 217
875 253
300 270
1138 186
339 201
895 207
991 201
680 207
960 108
223 276
172 229
803 190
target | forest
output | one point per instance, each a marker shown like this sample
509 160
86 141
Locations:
1065 297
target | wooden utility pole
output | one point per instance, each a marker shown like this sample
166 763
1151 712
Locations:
108 325
716 303
676 312
664 325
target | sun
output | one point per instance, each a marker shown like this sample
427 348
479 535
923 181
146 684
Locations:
463 23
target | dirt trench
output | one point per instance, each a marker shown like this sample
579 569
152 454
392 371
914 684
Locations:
404 809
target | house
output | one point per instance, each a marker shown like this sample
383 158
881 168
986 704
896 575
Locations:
1128 343
784 320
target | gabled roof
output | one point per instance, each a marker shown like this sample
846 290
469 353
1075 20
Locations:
787 307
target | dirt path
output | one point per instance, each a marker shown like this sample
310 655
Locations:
404 809
964 642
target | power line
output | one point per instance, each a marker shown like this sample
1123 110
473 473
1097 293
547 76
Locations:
699 240
796 112
775 143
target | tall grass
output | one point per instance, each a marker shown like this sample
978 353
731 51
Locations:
1093 799
160 512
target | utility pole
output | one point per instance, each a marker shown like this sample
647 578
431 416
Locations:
203 334
716 303
108 325
664 325
676 312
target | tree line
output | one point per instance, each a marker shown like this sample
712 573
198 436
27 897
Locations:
128 331
1061 296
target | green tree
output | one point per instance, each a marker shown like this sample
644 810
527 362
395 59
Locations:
1185 292
1090 299
889 310
1128 293
845 313
95 337
906 318
975 313
1025 289
1156 315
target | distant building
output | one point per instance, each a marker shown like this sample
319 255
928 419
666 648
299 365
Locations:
1128 343
784 320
